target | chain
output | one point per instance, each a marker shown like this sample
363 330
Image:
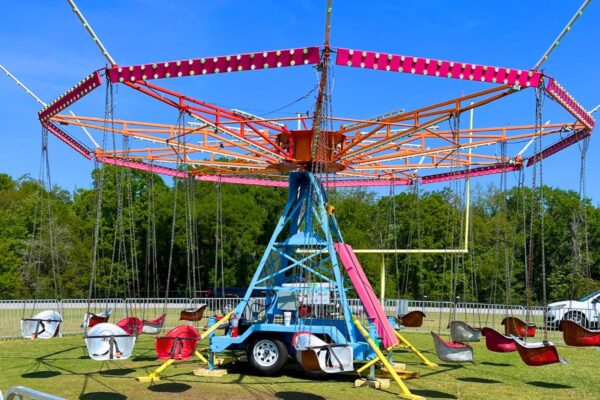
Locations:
583 205
539 99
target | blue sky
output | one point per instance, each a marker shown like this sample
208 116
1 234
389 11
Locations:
44 44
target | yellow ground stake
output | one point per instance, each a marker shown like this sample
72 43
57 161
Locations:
412 348
155 375
405 391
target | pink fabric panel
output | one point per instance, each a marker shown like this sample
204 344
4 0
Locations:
62 135
90 83
366 294
567 101
215 65
427 66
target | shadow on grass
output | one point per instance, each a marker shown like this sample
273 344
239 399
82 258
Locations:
496 364
117 371
434 394
549 385
474 379
102 396
40 374
144 358
170 387
298 396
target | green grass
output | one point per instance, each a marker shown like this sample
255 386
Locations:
61 367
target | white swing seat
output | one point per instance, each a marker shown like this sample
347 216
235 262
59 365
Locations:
315 355
109 342
43 325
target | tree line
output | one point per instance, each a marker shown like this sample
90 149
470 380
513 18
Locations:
153 237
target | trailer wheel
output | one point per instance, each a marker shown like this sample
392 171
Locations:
267 355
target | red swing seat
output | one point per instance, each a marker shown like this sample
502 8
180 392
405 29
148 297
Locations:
154 326
538 354
131 325
516 327
497 342
577 335
413 319
192 314
178 344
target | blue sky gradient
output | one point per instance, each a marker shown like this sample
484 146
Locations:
45 46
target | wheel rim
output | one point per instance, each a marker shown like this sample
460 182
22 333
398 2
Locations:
265 353
577 319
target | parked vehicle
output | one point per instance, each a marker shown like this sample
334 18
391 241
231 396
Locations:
584 311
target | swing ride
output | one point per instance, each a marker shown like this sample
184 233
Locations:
307 269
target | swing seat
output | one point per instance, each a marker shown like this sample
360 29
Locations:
154 326
131 325
90 319
109 342
461 332
43 325
497 342
315 355
516 327
452 351
577 335
538 353
413 319
192 314
178 344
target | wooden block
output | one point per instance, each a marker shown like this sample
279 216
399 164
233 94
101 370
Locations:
403 374
378 383
210 372
398 367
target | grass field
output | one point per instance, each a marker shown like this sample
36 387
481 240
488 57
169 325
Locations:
61 367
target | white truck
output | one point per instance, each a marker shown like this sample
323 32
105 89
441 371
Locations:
584 311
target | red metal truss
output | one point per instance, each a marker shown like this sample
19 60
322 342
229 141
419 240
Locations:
471 172
82 88
567 101
62 135
433 67
235 147
221 119
215 65
563 144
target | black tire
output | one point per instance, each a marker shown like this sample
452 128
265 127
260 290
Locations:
267 355
577 317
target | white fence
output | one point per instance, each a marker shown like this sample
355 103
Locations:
438 314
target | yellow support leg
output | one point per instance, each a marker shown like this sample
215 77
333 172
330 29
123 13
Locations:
367 365
406 394
201 357
155 375
412 348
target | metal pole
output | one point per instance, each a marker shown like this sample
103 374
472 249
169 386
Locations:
43 104
89 29
562 33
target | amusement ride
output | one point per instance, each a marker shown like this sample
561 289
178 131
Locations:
307 270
